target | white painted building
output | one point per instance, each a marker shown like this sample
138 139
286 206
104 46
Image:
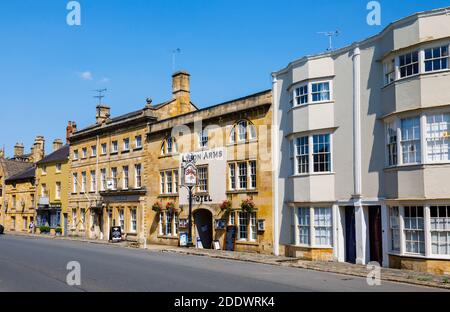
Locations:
364 133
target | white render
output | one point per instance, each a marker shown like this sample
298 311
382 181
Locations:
356 118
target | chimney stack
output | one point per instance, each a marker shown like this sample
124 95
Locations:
38 149
71 129
103 114
181 91
18 150
57 144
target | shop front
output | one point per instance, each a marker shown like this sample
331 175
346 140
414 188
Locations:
49 216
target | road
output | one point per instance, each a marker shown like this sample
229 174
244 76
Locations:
39 264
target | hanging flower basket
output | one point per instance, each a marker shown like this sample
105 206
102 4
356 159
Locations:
170 206
157 207
226 205
248 205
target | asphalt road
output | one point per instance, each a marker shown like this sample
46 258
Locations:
35 264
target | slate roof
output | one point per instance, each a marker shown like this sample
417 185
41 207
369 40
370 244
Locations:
60 155
27 174
13 167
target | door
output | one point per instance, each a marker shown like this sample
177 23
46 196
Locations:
66 224
350 235
108 229
203 227
376 237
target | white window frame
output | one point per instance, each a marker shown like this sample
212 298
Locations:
126 177
138 176
411 64
438 135
301 95
203 138
104 147
114 147
104 178
329 91
434 58
133 220
83 182
232 176
313 226
93 181
114 178
75 183
138 142
390 74
94 151
126 145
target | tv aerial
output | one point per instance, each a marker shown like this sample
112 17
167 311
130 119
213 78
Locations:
330 35
100 95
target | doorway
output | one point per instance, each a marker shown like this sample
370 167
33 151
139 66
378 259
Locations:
203 220
375 233
66 224
350 235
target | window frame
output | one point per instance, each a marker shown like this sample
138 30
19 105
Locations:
433 58
310 215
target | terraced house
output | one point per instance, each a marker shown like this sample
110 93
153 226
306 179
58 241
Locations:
126 171
52 189
365 156
19 200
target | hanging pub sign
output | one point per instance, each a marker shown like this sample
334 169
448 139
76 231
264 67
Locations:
190 175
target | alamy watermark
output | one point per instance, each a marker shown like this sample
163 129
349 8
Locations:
374 16
374 276
74 276
74 15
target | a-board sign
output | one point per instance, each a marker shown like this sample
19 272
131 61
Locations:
216 245
116 234
183 239
230 239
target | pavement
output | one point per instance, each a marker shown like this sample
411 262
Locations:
179 269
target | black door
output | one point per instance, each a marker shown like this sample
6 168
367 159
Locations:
204 227
350 235
376 237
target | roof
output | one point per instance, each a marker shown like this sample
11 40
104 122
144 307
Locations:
60 155
27 174
13 167
439 11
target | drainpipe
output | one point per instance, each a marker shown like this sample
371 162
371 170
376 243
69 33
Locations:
275 165
360 218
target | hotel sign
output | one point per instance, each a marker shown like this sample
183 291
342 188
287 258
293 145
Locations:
215 161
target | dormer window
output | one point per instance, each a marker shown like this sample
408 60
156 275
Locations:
169 146
243 131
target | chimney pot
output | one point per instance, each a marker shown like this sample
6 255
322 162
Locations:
19 150
57 144
103 114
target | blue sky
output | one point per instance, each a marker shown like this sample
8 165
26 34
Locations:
49 69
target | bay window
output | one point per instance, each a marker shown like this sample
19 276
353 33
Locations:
409 64
440 230
320 92
389 72
436 59
318 233
301 95
394 228
438 137
312 154
414 230
302 154
322 153
411 145
392 144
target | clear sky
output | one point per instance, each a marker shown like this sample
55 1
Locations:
49 69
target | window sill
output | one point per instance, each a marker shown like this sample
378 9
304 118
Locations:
242 143
417 165
168 195
168 237
247 243
414 256
306 175
114 153
311 247
419 75
295 107
137 149
252 191
125 152
168 155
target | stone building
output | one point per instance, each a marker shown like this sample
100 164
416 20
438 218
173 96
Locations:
18 195
364 138
232 145
122 167
52 189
